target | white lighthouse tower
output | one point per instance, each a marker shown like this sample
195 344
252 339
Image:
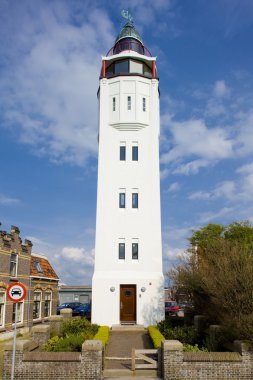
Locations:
128 283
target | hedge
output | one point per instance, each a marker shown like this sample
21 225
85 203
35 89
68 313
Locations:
156 336
103 334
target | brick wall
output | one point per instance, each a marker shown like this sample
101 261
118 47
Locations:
86 365
179 365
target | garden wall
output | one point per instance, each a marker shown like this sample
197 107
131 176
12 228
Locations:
85 365
179 365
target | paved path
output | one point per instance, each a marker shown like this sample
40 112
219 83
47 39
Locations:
120 346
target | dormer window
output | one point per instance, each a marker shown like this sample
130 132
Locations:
38 267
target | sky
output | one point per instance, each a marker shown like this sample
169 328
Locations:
50 61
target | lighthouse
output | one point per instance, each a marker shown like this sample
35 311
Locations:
128 282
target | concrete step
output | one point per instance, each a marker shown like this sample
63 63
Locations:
128 374
127 328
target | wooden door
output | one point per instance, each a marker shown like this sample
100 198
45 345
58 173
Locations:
128 303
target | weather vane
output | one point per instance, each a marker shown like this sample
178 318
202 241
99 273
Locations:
126 15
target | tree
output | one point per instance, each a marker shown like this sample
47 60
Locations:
218 276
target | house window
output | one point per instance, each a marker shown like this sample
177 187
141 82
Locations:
37 305
19 312
2 308
135 251
122 200
122 251
14 265
129 103
135 153
47 308
144 104
122 153
114 104
134 200
37 266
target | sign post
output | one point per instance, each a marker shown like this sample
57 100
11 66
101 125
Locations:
16 292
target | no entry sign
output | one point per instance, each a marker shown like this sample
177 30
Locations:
16 292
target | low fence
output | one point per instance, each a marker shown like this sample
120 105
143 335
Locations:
32 364
54 365
179 365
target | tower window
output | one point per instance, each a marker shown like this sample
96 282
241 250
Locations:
122 251
135 153
122 153
114 104
135 249
144 104
129 103
122 200
13 264
134 200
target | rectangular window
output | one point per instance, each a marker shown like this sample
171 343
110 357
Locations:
144 104
13 264
19 312
47 309
129 103
122 251
114 104
2 303
37 305
135 200
122 153
121 67
135 153
136 67
135 251
122 200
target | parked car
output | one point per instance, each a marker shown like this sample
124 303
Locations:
171 307
83 310
68 305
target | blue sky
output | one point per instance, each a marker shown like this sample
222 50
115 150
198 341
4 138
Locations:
50 59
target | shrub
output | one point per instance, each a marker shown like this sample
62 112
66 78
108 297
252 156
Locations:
183 334
79 326
156 336
103 334
195 348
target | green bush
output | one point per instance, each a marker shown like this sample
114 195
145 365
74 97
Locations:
183 334
103 334
74 333
195 348
78 326
156 336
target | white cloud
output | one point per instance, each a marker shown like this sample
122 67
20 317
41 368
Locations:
78 255
164 173
193 138
174 187
206 217
50 83
224 189
8 201
191 167
220 89
247 169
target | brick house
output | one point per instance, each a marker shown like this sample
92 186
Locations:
19 264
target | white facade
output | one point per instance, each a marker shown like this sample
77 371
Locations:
138 127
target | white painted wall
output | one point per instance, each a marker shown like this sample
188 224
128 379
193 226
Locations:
113 223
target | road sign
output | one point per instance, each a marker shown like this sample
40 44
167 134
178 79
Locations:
16 292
